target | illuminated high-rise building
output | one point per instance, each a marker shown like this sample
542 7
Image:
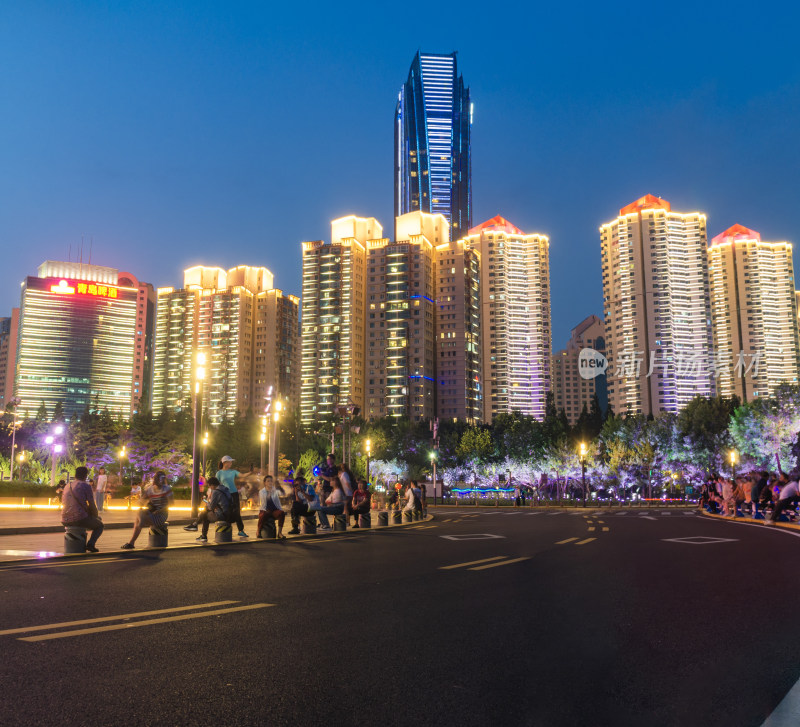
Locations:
515 318
333 310
242 325
401 319
753 313
9 332
656 306
571 391
459 381
78 337
432 126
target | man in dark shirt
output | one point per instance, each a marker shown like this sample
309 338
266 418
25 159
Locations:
78 508
329 472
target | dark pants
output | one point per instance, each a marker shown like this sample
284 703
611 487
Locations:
95 524
207 518
236 511
782 505
263 515
298 510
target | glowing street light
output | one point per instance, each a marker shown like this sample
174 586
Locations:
199 377
122 454
368 446
583 470
734 457
273 443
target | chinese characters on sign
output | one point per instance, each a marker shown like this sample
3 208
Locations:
95 289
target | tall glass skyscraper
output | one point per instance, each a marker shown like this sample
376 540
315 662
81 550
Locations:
433 118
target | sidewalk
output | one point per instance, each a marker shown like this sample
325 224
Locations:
752 521
49 543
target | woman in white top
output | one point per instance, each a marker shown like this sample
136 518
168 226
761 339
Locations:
269 506
409 497
100 488
334 505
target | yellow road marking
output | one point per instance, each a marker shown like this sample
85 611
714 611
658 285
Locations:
591 529
605 530
88 561
472 562
505 562
568 540
149 622
600 522
46 627
583 542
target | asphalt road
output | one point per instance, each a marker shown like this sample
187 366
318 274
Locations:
546 622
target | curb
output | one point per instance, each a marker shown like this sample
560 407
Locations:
8 564
751 521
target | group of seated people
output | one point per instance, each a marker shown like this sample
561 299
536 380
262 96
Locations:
755 494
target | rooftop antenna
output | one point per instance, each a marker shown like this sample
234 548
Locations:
91 244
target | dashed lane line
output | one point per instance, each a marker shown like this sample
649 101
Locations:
84 622
149 622
647 517
497 565
564 542
583 542
472 562
591 529
605 530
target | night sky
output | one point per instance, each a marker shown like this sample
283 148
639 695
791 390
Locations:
225 133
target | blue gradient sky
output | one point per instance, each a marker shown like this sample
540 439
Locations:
227 132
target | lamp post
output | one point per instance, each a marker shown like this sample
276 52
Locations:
122 454
205 444
369 451
583 471
273 441
674 482
199 375
21 462
433 466
56 448
734 457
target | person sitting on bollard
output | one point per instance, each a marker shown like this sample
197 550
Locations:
269 506
299 499
417 495
334 505
155 507
311 495
362 500
218 508
409 506
789 496
348 487
79 510
135 495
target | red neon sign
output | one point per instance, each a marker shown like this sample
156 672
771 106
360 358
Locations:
94 289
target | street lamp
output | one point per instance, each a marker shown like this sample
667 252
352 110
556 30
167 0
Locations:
56 447
122 454
674 482
199 375
368 445
21 462
433 466
205 444
583 470
734 457
273 441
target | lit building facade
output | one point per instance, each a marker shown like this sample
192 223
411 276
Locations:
459 383
234 317
333 318
571 391
656 307
432 128
753 313
9 332
77 340
515 318
401 322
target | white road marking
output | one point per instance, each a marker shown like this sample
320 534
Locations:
700 540
647 517
787 713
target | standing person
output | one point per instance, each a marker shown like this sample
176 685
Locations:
362 498
79 509
348 486
517 495
100 486
328 472
269 506
227 478
155 507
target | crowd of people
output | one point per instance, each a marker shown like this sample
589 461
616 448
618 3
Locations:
336 491
759 494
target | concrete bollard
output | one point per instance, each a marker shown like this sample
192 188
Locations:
340 523
159 536
365 520
270 529
408 516
74 539
417 515
397 517
224 532
309 523
383 519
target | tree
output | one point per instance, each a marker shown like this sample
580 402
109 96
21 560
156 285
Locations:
703 430
476 443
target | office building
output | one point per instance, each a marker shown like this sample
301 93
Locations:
753 313
573 391
656 307
333 318
77 342
515 317
242 327
433 119
9 331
